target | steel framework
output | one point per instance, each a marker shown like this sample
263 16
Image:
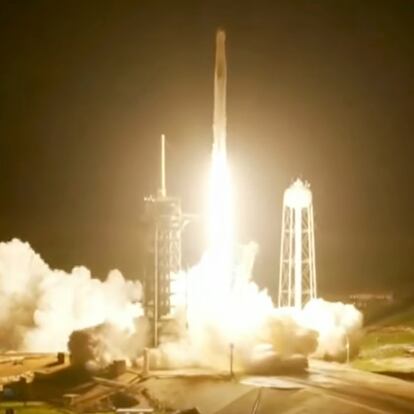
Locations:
297 272
165 222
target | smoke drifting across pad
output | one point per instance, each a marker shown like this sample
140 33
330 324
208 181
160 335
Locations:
96 347
40 307
233 310
339 326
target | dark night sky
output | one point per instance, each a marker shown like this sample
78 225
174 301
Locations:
320 89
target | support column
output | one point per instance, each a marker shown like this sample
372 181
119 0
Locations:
298 257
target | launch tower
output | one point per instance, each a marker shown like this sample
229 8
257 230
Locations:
297 274
165 222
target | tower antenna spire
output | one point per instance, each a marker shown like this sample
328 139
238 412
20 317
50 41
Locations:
163 188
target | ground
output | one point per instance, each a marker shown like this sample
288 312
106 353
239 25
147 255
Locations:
388 346
322 387
30 408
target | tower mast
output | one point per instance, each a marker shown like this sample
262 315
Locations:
165 222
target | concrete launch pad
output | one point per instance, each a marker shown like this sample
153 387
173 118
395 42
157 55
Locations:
323 387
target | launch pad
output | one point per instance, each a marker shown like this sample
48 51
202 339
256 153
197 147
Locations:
324 388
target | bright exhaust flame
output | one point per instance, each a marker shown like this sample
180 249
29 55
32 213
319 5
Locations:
217 293
220 218
223 306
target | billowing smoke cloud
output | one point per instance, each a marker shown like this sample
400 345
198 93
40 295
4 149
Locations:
231 309
41 307
98 346
338 326
46 310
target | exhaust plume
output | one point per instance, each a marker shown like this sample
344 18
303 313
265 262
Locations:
45 310
234 310
40 307
98 346
339 326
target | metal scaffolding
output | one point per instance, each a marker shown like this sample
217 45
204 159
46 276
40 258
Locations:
165 222
297 272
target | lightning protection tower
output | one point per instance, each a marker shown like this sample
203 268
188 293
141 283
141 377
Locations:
297 275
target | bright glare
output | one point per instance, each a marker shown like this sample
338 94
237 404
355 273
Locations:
220 295
223 306
220 215
298 195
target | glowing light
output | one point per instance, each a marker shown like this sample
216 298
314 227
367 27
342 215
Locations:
297 241
220 214
298 195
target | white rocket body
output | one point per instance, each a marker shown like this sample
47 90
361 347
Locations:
220 80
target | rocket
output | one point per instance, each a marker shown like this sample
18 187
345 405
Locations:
220 80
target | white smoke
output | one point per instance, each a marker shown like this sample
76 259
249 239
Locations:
98 346
232 309
40 307
338 325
